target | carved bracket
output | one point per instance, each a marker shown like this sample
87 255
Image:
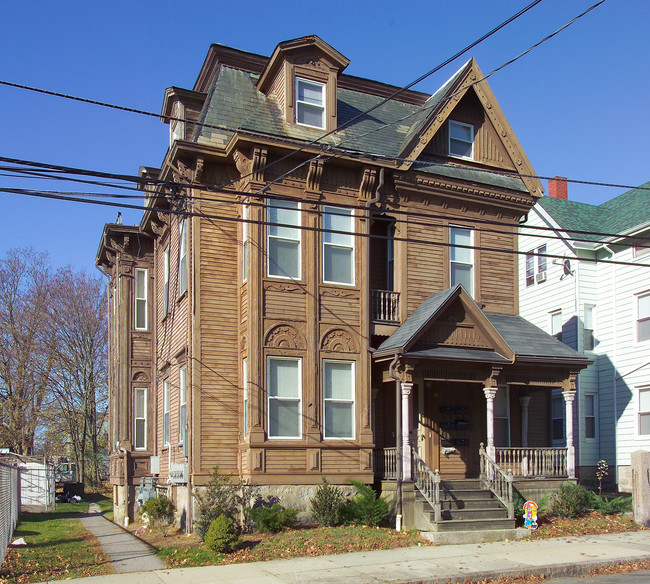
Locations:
368 184
314 175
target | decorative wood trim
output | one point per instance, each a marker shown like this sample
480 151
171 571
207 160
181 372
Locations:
338 341
284 336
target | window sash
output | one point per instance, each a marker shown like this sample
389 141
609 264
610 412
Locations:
284 375
590 416
182 403
338 248
643 317
556 324
140 418
461 260
589 339
557 418
284 239
166 412
182 258
461 140
338 400
141 305
310 103
644 410
530 268
541 259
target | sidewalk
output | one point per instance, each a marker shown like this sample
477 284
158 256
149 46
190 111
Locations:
439 564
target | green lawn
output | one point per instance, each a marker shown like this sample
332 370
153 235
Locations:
58 547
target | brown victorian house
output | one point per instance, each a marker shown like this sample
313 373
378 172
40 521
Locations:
320 288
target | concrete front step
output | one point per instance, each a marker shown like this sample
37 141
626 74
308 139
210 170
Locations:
467 514
473 524
482 536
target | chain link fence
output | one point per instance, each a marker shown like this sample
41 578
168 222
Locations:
9 505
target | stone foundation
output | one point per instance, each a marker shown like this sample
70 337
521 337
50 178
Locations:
624 478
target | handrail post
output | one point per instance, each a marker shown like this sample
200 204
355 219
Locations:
436 496
511 503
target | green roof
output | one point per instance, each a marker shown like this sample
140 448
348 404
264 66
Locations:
621 214
234 104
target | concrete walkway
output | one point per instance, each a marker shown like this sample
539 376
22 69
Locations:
438 564
126 552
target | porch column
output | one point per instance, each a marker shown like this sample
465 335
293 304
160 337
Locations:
569 396
406 430
524 400
490 393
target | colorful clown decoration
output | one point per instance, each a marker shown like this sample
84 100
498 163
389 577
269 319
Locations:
530 514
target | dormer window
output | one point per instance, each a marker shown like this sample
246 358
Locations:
461 140
310 103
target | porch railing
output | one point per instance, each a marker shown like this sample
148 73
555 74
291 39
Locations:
534 462
497 481
385 306
385 463
428 483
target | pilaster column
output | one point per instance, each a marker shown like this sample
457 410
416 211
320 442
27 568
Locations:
490 393
524 401
569 396
406 430
374 391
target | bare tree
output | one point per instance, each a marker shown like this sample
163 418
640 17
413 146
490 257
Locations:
26 358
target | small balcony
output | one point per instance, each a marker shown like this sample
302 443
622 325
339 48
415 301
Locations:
385 306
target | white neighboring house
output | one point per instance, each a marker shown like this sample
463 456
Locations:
600 309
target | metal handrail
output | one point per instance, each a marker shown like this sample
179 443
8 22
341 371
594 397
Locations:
428 483
497 481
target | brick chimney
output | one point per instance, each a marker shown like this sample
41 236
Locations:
557 188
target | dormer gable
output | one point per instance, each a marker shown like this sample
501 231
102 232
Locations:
181 108
302 75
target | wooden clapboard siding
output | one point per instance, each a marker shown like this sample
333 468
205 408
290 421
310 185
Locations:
497 273
285 461
339 306
340 461
284 302
425 262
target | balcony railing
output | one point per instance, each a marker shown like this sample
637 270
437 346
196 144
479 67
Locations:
386 463
385 306
548 463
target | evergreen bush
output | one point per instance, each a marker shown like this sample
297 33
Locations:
222 535
366 508
328 504
160 511
274 518
571 501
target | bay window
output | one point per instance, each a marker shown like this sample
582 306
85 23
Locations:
283 239
338 398
166 412
140 418
284 385
141 303
338 248
182 403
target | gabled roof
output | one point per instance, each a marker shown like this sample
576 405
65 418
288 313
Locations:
512 338
623 214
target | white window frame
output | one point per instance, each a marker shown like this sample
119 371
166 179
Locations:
589 326
351 401
594 415
529 273
557 395
554 331
141 298
289 229
329 211
136 418
638 317
244 376
270 398
641 413
304 104
166 418
453 123
182 403
542 263
453 261
244 243
166 281
182 257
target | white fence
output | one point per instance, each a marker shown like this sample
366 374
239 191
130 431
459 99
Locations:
9 505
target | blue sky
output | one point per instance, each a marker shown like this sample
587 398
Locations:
578 104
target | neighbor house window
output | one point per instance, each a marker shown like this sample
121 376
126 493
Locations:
338 248
283 239
644 410
182 402
244 379
461 140
244 243
182 258
588 322
590 416
338 398
541 263
557 418
284 401
536 256
643 317
530 268
310 103
141 305
556 324
166 412
166 281
502 417
461 259
140 417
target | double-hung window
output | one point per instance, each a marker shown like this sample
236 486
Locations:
588 325
182 258
556 324
338 246
643 317
283 239
590 416
166 412
538 254
310 103
461 140
530 268
141 304
284 397
644 410
244 378
461 259
557 419
166 281
182 404
338 397
140 418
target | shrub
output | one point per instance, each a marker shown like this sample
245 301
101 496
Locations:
328 504
610 506
273 518
160 511
366 508
222 496
222 535
570 501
